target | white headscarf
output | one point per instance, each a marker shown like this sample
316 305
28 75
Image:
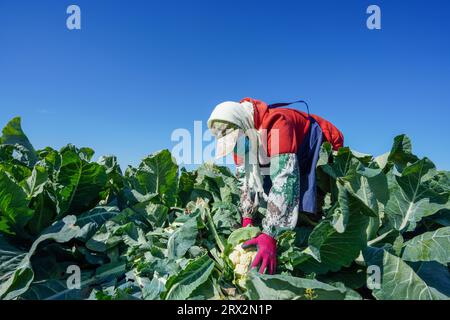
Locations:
241 115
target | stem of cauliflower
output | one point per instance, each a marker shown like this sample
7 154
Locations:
214 231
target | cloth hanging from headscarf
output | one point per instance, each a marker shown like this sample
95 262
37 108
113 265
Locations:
241 115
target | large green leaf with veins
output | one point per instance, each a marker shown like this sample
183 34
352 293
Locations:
284 287
218 181
78 183
183 238
34 184
344 163
369 186
51 289
181 285
156 214
19 281
98 215
94 219
434 274
429 246
14 136
14 211
401 152
414 195
10 259
335 244
242 234
398 279
157 173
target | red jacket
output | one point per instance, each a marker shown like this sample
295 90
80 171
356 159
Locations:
292 126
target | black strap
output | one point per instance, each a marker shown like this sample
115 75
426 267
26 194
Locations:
285 104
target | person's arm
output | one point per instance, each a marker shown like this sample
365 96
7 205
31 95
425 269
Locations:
284 196
247 206
282 210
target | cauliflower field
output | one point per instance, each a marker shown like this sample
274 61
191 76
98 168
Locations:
75 228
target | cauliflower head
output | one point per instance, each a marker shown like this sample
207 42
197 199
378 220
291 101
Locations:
241 260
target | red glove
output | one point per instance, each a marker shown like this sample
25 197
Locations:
267 252
247 222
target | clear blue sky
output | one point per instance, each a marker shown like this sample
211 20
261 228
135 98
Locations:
139 69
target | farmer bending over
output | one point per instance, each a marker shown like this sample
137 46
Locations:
285 143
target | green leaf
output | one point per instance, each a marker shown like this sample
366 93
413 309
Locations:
115 182
157 173
51 289
14 211
154 289
226 217
110 270
183 238
218 181
54 289
44 213
181 286
344 164
93 219
17 171
13 135
401 152
10 259
370 187
382 160
242 234
19 282
98 215
284 287
209 290
85 154
335 245
429 246
412 197
353 277
324 154
50 159
286 249
35 183
78 184
398 279
349 203
434 274
186 185
111 233
442 218
335 250
156 214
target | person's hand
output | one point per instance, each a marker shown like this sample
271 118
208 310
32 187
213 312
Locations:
247 222
267 252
